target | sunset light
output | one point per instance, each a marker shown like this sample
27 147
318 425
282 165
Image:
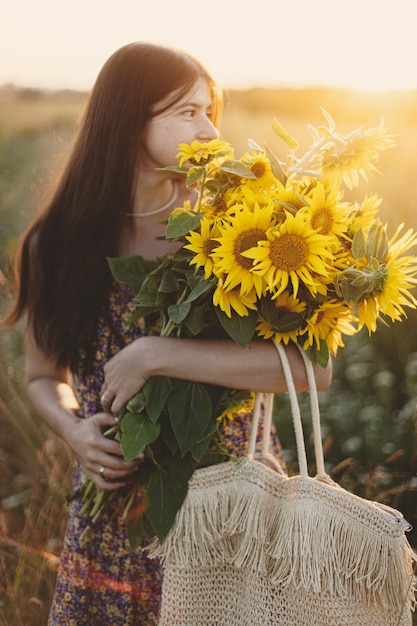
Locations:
365 44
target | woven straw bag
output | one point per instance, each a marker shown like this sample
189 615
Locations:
254 547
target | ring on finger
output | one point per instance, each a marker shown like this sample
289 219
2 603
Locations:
101 471
105 400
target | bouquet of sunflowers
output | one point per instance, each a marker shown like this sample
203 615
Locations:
271 249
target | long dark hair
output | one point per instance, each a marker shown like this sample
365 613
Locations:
61 269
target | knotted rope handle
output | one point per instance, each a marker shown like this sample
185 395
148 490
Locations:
296 415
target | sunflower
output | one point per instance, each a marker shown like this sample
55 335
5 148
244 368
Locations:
368 312
292 196
243 231
398 277
362 215
293 251
259 165
399 245
327 214
391 283
236 406
285 305
202 245
200 153
228 299
249 197
329 323
355 156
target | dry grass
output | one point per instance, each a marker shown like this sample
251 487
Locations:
29 110
35 470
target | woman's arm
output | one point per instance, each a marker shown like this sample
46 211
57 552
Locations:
221 362
51 395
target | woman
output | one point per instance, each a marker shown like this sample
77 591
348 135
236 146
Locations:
109 201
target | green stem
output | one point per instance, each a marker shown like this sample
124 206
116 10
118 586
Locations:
97 502
200 191
113 430
130 500
167 328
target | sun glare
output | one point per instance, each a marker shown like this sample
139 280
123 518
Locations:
360 44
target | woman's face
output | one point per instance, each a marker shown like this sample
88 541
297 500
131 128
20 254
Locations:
185 121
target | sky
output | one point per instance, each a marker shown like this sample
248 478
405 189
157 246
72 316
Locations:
364 44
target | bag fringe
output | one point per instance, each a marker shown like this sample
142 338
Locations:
296 531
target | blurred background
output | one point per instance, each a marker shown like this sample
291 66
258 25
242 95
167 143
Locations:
274 59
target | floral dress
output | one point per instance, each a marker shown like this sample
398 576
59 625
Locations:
100 580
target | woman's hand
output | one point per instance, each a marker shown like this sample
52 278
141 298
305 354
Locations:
125 374
50 391
101 457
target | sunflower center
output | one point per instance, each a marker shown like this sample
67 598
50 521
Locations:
244 241
282 310
289 252
208 246
258 169
320 316
322 221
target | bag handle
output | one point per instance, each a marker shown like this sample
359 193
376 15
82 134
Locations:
267 399
296 415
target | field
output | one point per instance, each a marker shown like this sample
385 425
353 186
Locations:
368 414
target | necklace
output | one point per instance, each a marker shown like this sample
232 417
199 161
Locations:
159 209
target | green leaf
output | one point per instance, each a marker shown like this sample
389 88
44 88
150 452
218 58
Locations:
178 312
281 322
196 320
280 131
156 390
190 410
199 286
276 166
165 497
135 526
240 329
184 256
148 292
168 438
137 432
194 174
359 244
182 224
168 282
140 312
179 471
319 355
290 207
237 168
138 526
213 186
360 281
201 447
137 403
377 245
131 270
173 168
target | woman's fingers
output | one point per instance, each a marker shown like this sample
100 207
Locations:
106 401
112 478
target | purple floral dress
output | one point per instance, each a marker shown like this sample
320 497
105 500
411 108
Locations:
101 581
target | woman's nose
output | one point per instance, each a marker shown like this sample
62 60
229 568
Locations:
208 131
